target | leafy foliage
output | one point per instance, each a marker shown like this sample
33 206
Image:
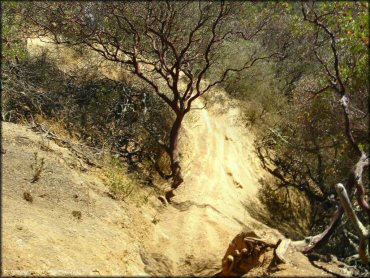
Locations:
13 41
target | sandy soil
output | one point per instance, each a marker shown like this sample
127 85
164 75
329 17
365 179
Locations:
221 172
44 237
73 227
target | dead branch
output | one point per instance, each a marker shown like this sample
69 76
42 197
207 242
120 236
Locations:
359 227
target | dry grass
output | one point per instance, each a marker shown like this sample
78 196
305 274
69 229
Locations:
119 183
37 166
124 185
74 60
56 126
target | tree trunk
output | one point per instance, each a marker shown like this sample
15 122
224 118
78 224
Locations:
174 152
359 227
323 237
354 179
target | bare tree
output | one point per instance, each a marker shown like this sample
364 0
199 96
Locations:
172 46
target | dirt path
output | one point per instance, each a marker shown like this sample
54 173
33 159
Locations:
221 172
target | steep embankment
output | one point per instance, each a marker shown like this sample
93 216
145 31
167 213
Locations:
73 227
190 236
221 176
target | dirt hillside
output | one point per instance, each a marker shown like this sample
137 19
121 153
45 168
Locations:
65 222
71 226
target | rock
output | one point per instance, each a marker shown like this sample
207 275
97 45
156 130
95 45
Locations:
83 169
281 249
163 200
112 195
77 214
27 196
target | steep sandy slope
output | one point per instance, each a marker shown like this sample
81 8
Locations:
221 172
188 237
73 227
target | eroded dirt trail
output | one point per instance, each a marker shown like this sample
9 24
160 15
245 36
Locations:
221 172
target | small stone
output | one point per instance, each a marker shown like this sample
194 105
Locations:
28 197
77 214
112 195
83 169
163 200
